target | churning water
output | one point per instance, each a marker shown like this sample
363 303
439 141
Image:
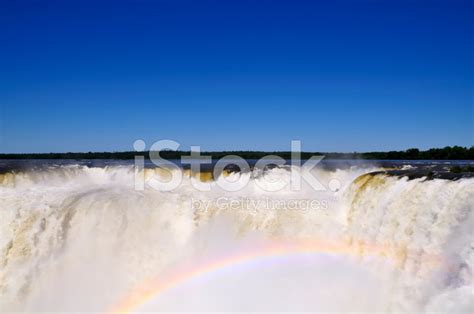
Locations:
81 238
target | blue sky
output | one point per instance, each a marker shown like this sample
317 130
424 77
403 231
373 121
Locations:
338 75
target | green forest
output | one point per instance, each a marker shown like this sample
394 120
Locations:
446 153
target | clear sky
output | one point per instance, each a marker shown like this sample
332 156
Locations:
338 75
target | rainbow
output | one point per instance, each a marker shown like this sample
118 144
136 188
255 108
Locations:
158 285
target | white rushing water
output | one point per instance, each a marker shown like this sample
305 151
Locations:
75 238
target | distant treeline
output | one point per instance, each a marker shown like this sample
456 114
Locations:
446 153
